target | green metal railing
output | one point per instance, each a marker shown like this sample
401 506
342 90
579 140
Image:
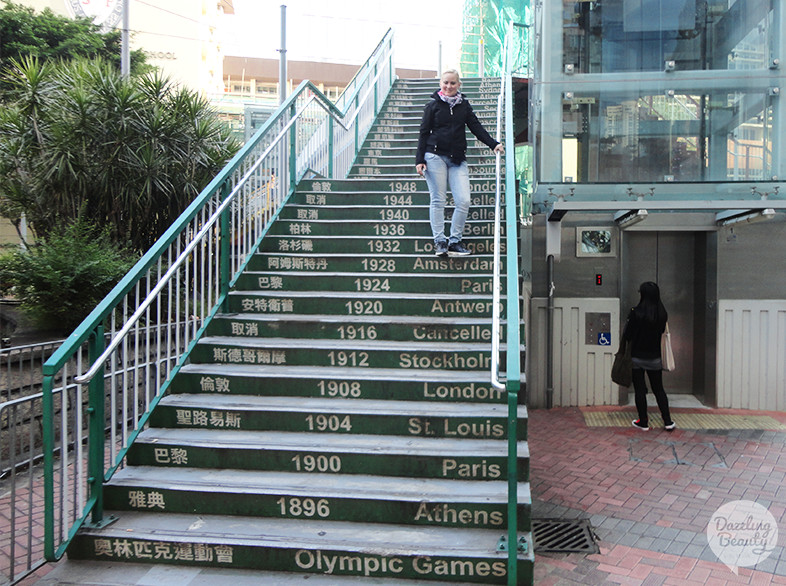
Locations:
97 395
512 384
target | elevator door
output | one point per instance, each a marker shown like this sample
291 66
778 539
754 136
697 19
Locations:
669 259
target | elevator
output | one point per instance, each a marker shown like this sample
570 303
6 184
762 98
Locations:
678 263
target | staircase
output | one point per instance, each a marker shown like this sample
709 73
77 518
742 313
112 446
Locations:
337 419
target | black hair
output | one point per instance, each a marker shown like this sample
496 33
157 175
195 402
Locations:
650 307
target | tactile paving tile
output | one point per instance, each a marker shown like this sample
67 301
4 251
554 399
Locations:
685 420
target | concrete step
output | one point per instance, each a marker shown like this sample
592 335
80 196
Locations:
350 304
355 354
379 455
425 277
475 160
102 573
390 384
408 169
384 213
422 228
342 416
286 495
353 328
377 263
365 244
316 186
310 547
416 194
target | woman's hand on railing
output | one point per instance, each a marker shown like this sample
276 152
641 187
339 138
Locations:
499 149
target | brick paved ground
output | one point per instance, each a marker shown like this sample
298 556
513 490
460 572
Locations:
648 496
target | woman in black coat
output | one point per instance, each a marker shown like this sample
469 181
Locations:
441 158
643 330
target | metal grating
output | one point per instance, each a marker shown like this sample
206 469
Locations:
563 536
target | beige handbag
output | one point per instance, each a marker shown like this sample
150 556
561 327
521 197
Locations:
666 353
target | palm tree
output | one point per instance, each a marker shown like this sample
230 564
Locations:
80 141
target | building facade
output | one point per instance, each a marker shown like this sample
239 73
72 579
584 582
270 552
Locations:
658 131
180 37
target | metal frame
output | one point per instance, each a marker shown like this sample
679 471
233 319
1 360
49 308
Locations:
510 542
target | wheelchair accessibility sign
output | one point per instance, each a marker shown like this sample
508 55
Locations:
597 329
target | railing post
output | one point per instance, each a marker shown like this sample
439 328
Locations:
96 435
49 465
292 150
513 474
331 149
225 250
357 125
376 92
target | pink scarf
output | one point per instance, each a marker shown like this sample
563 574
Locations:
452 101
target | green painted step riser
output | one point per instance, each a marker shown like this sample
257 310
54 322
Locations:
322 561
381 245
393 133
371 228
408 148
390 159
335 422
486 96
428 282
410 130
473 359
376 263
323 460
331 387
479 100
406 129
477 185
380 214
382 330
402 114
314 505
282 304
408 171
382 199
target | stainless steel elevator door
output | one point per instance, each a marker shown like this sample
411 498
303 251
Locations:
667 258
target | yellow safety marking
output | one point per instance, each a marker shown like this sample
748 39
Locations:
685 420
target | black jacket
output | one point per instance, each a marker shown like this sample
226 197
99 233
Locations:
442 130
644 335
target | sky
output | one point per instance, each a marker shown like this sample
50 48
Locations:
347 31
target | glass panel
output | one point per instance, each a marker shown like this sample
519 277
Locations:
717 136
603 36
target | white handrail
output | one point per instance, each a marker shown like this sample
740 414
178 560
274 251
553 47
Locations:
495 284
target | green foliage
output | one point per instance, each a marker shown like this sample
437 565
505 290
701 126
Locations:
49 36
61 280
489 21
79 141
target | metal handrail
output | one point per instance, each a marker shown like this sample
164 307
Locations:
180 261
211 222
512 382
495 283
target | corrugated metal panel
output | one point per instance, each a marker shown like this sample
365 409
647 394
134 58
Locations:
752 354
582 372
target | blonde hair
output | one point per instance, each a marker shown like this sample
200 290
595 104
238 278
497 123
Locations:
453 71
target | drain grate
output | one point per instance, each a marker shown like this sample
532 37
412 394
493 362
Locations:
563 536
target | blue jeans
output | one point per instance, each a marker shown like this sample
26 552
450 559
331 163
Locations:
441 171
